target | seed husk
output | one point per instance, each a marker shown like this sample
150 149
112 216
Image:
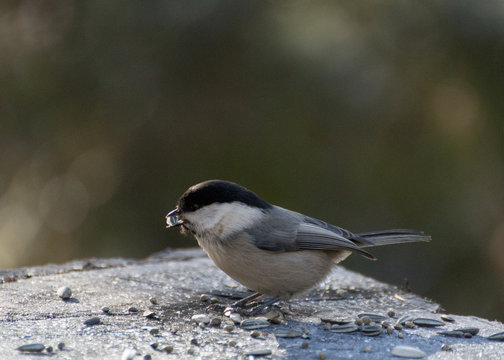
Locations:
408 352
229 327
427 322
374 317
215 321
409 324
105 309
366 320
344 328
390 330
447 318
255 334
497 337
149 314
469 330
259 352
204 297
252 324
452 333
34 348
446 347
404 319
288 333
398 327
391 313
400 335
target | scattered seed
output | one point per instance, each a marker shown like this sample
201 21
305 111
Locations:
49 349
374 317
259 352
427 322
214 300
92 321
149 314
132 309
409 324
204 297
400 336
147 357
404 319
194 341
366 320
190 351
497 337
359 322
154 331
390 330
201 325
322 355
452 333
469 330
288 333
446 347
305 344
274 314
327 326
252 324
153 300
346 328
61 346
64 292
391 313
105 309
168 349
367 349
408 352
335 321
447 318
398 327
236 318
255 334
371 330
276 321
200 318
215 321
468 335
35 348
232 343
229 327
154 345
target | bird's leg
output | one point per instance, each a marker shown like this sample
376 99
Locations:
260 308
243 302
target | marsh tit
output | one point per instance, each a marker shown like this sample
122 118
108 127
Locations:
269 249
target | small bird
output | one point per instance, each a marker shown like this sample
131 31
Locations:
270 250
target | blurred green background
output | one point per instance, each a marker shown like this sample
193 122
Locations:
369 115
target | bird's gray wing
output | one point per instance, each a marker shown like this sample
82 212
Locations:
286 230
314 237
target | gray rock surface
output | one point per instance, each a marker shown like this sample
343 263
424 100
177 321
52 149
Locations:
32 312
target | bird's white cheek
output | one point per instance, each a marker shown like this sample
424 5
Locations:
224 219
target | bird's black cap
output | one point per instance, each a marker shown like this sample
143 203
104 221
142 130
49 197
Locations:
218 191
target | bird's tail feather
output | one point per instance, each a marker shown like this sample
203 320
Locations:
389 237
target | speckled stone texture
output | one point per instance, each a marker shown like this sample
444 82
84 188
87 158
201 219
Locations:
32 312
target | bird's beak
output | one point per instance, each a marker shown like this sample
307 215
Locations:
172 219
